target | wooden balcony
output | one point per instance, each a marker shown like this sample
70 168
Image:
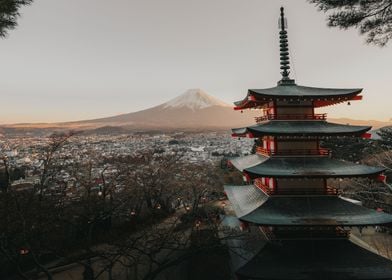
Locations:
295 191
306 191
262 151
269 117
310 232
294 152
263 187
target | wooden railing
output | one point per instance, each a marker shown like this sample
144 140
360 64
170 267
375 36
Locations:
312 232
262 186
262 151
295 191
291 117
294 152
306 191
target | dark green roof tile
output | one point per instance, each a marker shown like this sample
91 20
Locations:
321 167
315 259
301 128
314 211
294 90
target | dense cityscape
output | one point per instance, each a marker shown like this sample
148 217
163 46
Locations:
27 153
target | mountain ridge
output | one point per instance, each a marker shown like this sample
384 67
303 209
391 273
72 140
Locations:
194 109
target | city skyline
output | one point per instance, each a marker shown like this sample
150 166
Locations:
104 59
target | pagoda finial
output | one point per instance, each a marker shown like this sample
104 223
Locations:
284 50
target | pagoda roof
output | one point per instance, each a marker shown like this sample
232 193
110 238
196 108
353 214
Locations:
247 161
311 167
315 259
294 92
254 206
300 128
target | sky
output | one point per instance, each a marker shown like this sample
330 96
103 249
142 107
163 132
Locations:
82 59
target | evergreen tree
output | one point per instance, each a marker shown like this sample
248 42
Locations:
372 18
9 12
352 149
386 137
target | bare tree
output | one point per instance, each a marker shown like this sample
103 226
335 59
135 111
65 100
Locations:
140 214
31 214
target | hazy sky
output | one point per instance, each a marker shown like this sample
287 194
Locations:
80 59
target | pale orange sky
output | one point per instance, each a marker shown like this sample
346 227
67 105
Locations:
72 60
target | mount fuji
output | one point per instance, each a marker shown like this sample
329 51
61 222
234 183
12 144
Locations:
194 109
194 99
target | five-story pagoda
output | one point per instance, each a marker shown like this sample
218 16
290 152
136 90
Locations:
287 196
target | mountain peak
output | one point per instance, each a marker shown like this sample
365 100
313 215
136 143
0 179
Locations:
194 99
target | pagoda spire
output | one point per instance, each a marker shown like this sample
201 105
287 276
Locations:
284 50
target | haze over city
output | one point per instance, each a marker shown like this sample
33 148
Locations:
73 60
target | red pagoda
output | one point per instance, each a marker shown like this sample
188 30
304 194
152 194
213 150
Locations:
305 222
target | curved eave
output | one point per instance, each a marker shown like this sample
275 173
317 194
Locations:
315 259
293 167
244 162
249 102
314 211
296 91
300 128
245 199
321 97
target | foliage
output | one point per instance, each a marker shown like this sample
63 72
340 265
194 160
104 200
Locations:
372 18
386 137
350 148
9 13
371 193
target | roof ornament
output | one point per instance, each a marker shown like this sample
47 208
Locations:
284 51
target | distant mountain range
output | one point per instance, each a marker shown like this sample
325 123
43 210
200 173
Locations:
193 110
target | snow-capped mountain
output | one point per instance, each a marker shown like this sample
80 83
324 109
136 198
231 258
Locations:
192 109
194 99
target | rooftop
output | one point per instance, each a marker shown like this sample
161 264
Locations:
322 167
254 206
300 128
315 259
